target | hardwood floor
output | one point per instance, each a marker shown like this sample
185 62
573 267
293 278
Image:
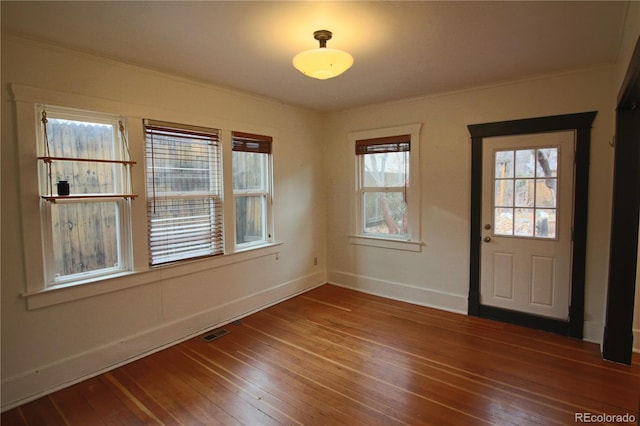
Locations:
336 356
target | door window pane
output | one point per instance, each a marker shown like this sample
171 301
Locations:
546 192
504 192
547 164
503 221
525 164
546 223
504 164
524 222
524 193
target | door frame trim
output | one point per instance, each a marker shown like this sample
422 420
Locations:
581 123
617 342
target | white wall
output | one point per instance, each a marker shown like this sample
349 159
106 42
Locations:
439 275
47 347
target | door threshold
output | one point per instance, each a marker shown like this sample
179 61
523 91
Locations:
524 319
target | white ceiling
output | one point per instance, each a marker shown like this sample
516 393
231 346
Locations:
401 49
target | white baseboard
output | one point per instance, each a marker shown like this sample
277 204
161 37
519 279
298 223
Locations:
593 331
34 384
402 292
435 299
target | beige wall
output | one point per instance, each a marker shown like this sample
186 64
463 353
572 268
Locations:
46 347
630 34
439 275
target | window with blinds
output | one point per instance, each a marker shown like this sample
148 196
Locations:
251 187
184 192
383 184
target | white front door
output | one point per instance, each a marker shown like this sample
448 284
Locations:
527 201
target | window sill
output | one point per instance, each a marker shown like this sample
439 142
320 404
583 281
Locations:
242 248
387 243
124 280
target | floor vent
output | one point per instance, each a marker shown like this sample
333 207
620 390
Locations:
215 334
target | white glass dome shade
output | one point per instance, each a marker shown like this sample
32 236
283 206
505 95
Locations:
323 63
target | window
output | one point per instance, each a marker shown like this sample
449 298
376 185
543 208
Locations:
387 183
184 192
86 233
384 180
93 240
251 188
525 183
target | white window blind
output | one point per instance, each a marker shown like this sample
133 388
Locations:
184 192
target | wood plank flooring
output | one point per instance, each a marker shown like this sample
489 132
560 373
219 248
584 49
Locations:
335 356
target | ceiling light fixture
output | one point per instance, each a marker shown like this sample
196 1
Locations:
322 63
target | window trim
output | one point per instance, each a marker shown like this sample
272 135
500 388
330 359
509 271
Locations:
412 241
28 133
122 206
26 98
90 288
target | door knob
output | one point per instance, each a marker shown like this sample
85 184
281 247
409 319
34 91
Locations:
487 239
